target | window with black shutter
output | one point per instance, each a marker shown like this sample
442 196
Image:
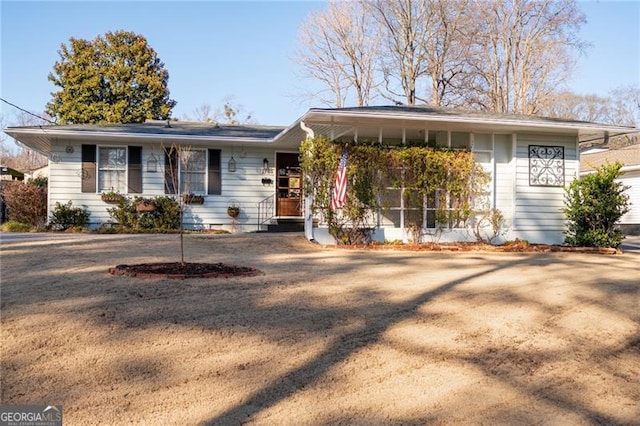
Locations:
170 170
88 168
214 186
134 177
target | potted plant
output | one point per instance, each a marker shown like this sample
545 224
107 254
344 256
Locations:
193 199
146 205
112 197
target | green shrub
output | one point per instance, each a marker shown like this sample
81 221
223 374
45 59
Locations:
65 217
26 203
13 226
124 214
167 214
41 181
593 205
165 217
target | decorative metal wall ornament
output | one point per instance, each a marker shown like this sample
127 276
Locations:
54 157
546 165
82 174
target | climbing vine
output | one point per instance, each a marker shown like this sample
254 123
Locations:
447 181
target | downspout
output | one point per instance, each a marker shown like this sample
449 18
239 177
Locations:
308 198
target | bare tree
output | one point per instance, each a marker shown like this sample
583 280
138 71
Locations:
523 52
626 105
573 106
448 50
178 181
503 56
339 47
230 113
203 113
19 156
406 28
621 106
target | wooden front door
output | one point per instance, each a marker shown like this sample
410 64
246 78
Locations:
289 185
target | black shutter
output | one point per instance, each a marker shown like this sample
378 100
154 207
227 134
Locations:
135 169
215 178
88 168
170 171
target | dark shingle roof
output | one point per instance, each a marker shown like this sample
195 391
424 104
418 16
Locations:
182 128
448 112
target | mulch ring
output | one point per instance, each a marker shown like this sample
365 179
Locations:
179 270
512 247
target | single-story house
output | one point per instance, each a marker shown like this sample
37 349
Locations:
629 157
530 160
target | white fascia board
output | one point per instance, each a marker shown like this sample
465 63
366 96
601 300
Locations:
472 120
623 169
71 134
634 168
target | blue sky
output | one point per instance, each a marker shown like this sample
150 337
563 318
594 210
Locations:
214 49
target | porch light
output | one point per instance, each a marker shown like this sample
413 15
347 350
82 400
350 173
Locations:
231 166
265 166
152 163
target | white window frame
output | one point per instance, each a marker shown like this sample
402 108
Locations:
99 169
204 172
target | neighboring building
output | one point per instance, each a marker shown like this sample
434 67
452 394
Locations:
40 172
7 174
629 157
530 160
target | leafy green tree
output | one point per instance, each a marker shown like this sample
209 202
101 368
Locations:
115 78
593 205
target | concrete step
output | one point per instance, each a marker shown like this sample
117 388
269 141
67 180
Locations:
287 225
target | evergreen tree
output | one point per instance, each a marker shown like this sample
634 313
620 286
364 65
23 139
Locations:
115 78
594 204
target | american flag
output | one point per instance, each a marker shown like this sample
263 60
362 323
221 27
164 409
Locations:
340 188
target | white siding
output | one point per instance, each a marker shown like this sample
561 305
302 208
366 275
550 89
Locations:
503 176
632 180
538 209
244 186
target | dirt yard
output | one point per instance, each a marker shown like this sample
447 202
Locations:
324 336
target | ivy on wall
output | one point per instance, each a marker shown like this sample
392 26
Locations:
448 181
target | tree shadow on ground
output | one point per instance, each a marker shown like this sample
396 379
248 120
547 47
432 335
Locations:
285 307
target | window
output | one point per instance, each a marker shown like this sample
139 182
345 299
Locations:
460 140
112 169
197 173
117 168
193 171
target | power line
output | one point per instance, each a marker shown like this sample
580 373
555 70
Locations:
28 112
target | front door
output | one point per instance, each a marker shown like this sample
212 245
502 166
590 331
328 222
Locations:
289 185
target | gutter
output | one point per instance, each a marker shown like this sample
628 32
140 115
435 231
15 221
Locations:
623 169
118 135
473 120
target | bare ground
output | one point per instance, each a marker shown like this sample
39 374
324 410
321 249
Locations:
324 336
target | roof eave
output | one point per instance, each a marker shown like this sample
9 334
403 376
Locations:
41 139
434 117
